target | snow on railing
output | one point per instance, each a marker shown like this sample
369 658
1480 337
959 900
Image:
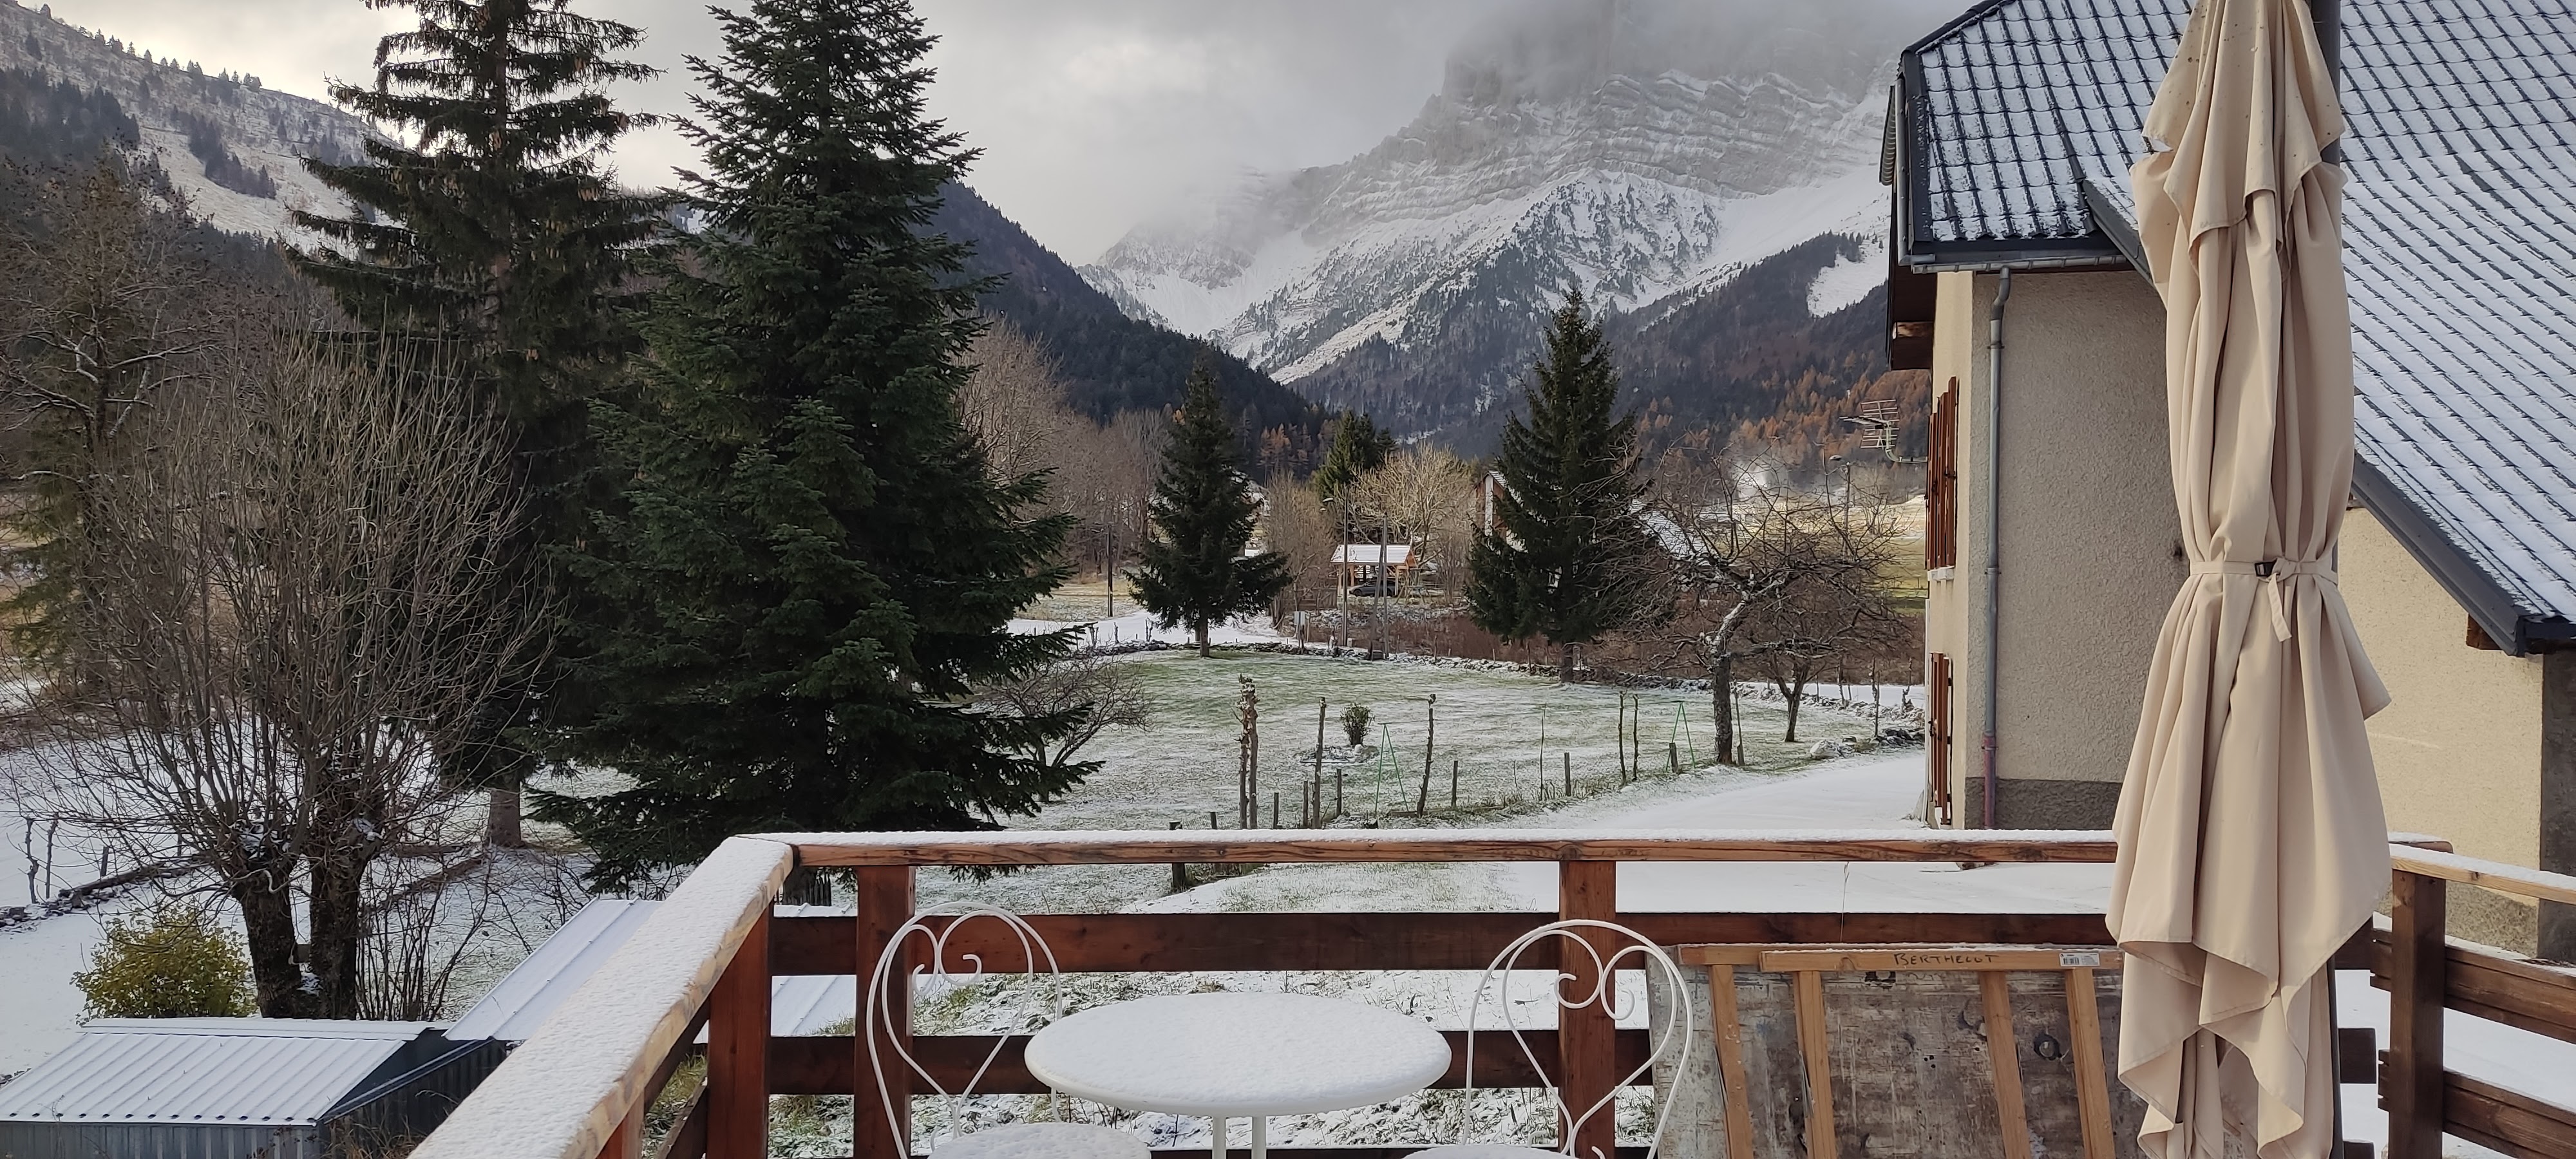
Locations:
1256 846
578 1089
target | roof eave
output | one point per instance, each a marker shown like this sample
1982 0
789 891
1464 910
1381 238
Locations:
2115 226
2503 620
2092 251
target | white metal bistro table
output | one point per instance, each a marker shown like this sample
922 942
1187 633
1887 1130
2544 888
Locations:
1229 1055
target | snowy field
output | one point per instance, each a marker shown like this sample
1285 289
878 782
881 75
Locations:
1489 723
1177 770
1510 736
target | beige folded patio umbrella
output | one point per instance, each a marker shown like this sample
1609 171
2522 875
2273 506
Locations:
2251 838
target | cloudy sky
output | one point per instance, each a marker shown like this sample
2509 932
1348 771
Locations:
1093 114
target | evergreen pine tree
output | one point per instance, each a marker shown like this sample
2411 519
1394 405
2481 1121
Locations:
500 233
1563 560
808 567
1359 447
497 245
1194 570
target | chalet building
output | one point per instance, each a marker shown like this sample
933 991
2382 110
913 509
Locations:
1359 563
2017 280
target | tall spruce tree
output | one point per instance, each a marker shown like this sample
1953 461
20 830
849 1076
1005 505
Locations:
1564 557
1194 570
1359 447
497 244
808 567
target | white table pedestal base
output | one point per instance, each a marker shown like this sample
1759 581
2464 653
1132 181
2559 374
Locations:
1260 1137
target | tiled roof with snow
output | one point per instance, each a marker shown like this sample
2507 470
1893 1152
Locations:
2459 227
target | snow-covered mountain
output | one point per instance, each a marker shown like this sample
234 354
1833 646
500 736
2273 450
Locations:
231 147
1643 150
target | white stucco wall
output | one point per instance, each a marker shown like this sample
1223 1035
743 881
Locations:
2091 556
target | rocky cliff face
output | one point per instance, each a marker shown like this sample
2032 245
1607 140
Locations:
1644 151
231 148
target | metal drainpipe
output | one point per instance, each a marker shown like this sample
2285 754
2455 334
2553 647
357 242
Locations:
2328 15
1994 521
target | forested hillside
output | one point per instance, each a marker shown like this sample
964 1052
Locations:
227 144
55 135
1750 361
1109 361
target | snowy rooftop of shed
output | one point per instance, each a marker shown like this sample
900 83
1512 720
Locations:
512 1011
204 1070
2460 227
1397 553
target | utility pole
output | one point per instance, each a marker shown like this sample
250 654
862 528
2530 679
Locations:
1341 581
1385 577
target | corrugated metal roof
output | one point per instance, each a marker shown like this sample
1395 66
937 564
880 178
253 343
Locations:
534 988
798 1004
204 1070
2459 227
805 1004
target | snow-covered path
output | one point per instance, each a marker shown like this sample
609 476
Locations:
1864 793
1871 792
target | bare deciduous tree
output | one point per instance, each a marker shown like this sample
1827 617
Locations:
1758 574
1295 524
1014 403
1098 694
1104 477
99 317
299 598
1428 496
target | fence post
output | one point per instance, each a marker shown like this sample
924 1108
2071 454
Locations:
1587 1040
884 902
627 1141
2411 1084
738 1052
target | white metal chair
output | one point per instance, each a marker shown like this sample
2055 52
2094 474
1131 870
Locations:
1012 1141
1672 1038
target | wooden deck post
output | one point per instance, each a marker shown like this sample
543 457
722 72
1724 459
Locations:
884 902
1587 1047
2411 1086
627 1141
738 1052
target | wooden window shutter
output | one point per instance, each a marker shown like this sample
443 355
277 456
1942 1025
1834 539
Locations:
1941 482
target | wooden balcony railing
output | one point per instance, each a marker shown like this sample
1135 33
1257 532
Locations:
580 1088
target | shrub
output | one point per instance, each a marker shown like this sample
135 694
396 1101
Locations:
1355 722
167 962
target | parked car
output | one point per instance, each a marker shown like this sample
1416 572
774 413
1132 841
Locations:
1374 588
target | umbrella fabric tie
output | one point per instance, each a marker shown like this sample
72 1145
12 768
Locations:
2271 572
